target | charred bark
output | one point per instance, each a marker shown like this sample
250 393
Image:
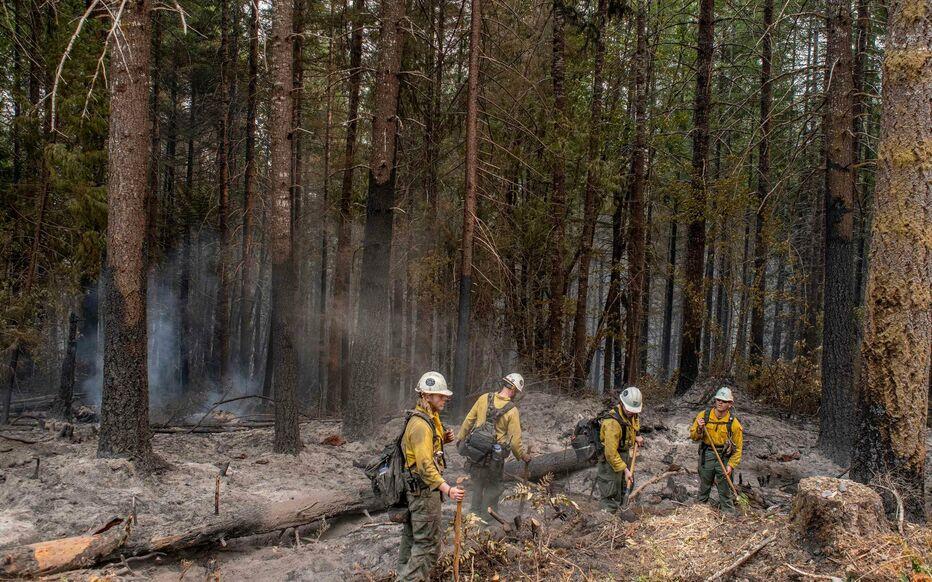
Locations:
461 363
338 380
593 202
369 346
62 406
220 349
636 195
667 337
124 408
558 193
836 418
759 287
250 270
695 232
283 358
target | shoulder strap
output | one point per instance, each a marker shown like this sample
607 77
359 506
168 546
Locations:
728 423
490 409
422 416
492 414
621 422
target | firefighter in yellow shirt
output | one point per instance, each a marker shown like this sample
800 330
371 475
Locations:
725 433
422 444
486 474
618 433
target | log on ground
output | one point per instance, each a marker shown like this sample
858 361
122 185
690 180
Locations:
64 554
258 520
558 463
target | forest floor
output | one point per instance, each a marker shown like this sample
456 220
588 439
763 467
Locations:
669 536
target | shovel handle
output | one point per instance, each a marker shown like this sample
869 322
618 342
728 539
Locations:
721 463
458 533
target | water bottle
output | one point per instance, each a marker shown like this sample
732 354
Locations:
497 451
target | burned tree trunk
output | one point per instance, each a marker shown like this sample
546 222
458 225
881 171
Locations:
337 371
461 363
759 286
776 339
124 407
250 272
666 340
220 349
369 346
283 358
861 121
558 194
591 206
690 335
636 193
613 296
836 414
894 382
62 406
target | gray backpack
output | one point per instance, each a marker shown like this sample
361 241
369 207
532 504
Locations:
481 447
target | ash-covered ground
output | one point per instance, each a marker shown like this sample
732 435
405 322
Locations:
74 492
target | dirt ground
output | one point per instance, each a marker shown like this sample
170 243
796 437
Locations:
671 539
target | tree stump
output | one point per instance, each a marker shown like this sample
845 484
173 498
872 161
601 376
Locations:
832 513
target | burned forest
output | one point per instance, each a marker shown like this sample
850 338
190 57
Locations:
396 290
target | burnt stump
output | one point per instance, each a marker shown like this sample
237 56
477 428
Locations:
832 513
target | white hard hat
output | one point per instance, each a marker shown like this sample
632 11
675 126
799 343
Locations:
724 394
516 380
433 383
631 399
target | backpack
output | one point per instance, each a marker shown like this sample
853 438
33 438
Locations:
481 446
729 446
586 439
389 473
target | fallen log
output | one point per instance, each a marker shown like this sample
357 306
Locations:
24 441
112 543
39 402
558 463
208 429
64 554
257 520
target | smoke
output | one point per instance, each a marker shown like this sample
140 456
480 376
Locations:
168 397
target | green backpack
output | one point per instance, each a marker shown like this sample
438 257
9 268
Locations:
389 472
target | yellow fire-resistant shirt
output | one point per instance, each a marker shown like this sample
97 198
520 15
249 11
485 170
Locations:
717 431
507 428
610 435
423 448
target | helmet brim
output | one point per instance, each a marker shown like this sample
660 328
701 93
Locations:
445 392
512 384
632 409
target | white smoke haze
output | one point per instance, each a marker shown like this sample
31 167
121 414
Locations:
169 400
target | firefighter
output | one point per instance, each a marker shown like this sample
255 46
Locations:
422 444
718 427
486 474
618 433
